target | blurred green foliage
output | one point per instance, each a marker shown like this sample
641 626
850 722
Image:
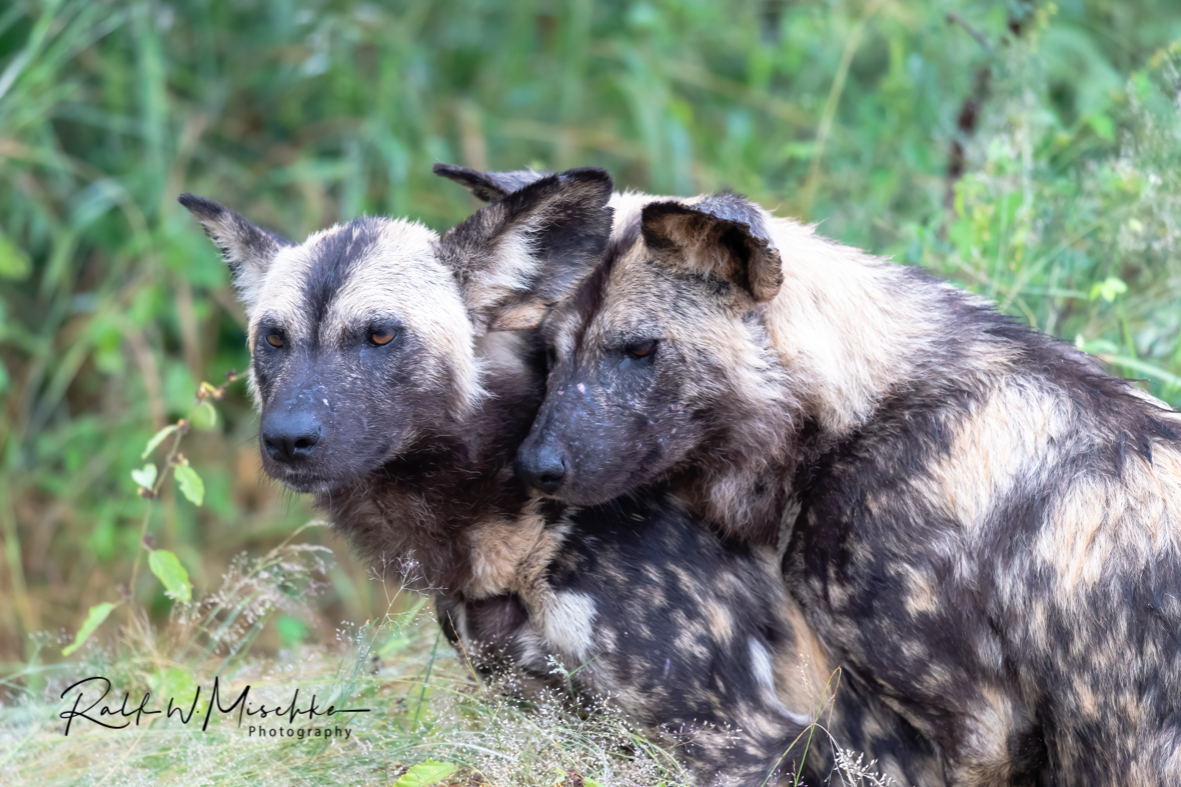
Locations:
113 306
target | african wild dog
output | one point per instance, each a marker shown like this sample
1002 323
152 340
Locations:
389 386
977 517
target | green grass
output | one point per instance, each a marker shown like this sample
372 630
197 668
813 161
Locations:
113 306
415 700
423 702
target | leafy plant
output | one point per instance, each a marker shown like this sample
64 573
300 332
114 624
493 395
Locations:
426 774
149 481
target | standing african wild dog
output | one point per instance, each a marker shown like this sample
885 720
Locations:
389 387
978 518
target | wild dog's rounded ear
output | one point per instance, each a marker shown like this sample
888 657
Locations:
530 248
248 250
489 186
723 234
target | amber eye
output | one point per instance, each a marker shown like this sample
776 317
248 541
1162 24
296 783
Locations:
379 338
641 349
274 339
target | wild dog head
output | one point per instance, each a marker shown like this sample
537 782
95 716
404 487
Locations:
660 360
363 338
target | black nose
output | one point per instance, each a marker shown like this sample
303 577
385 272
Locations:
543 469
291 437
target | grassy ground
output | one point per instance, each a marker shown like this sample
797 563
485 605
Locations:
407 704
423 704
1029 151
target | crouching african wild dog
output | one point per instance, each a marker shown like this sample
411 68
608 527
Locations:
983 523
390 386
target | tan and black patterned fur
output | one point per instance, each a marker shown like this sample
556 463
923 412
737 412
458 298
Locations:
409 444
976 517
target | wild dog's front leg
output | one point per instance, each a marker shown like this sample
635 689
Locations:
692 637
496 639
715 707
679 629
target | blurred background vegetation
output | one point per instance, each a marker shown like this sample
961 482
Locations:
1027 150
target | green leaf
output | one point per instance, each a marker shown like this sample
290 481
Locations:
191 485
1103 127
98 613
145 476
204 417
173 683
1108 289
798 151
426 774
1142 84
14 262
167 567
157 439
291 630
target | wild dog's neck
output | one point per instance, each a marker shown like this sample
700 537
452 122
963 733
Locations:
851 329
846 333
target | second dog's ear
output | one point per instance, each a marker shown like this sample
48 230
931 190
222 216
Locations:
248 250
489 186
530 248
724 235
